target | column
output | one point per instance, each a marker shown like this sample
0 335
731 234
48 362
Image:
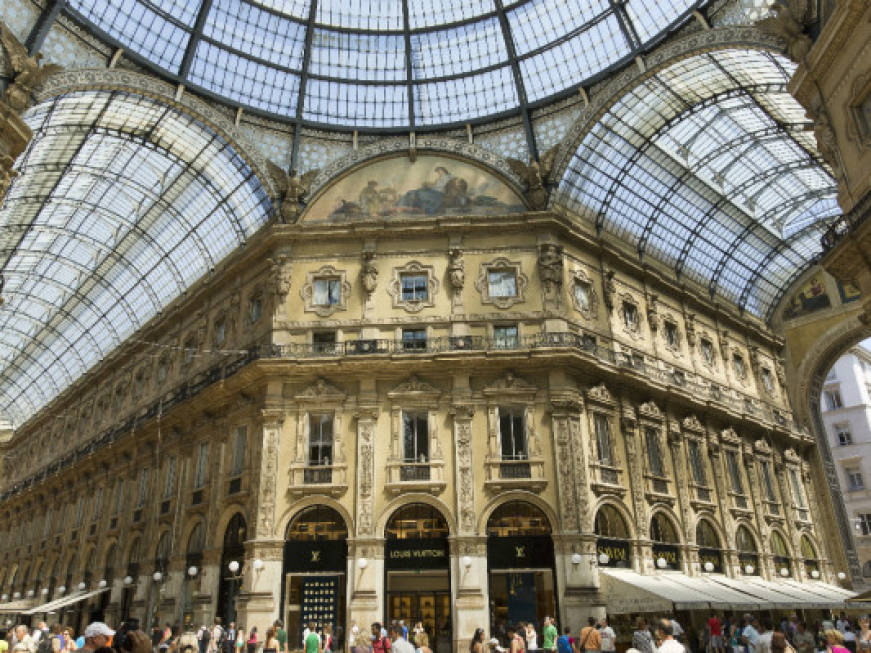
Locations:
468 549
642 554
730 554
366 549
208 582
690 562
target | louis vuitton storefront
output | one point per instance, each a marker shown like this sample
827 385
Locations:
314 571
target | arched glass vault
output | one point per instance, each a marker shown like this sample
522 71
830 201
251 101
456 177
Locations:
121 204
710 166
384 64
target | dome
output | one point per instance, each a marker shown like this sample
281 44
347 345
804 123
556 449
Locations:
383 64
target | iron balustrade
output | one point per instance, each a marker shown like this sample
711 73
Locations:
414 472
317 475
515 469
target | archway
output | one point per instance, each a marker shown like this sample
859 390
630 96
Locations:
520 562
810 557
613 540
132 574
110 565
417 577
158 577
233 552
314 571
193 563
710 547
666 543
748 551
781 557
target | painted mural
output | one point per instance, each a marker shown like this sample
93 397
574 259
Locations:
429 186
809 298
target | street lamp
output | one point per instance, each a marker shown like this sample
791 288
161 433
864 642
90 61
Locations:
661 563
604 559
709 566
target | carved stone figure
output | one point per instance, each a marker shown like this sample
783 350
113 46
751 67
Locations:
456 270
691 329
536 174
27 72
608 290
369 273
653 312
550 268
293 188
279 276
789 22
827 142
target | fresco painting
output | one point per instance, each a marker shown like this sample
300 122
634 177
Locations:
429 186
809 298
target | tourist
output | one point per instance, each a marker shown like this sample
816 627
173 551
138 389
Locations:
665 641
241 639
531 637
398 643
97 635
311 642
642 640
834 641
329 642
380 642
849 639
750 634
23 641
804 641
252 640
715 635
517 641
609 637
565 643
863 639
422 643
590 639
842 623
549 635
779 644
270 643
763 644
216 636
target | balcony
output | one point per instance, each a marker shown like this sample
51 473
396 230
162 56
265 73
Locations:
503 474
410 476
308 479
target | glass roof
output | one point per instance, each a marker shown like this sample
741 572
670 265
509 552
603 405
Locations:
121 204
383 64
710 166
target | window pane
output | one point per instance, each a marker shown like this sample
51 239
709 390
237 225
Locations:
415 437
697 463
603 439
239 451
414 287
502 283
654 456
505 336
320 439
512 434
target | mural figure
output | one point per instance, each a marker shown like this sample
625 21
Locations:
809 298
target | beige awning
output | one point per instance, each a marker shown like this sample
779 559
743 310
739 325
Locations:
788 595
16 607
57 604
627 591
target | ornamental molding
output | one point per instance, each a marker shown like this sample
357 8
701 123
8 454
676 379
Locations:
692 423
147 85
600 394
482 283
321 390
510 384
307 291
394 288
650 410
415 387
720 38
729 435
423 144
581 278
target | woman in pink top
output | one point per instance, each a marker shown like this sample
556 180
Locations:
835 641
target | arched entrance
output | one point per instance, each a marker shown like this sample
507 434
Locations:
233 551
193 563
520 563
158 578
748 556
613 545
109 567
666 544
710 548
417 572
314 571
132 574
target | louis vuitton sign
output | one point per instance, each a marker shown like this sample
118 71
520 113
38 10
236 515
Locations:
424 553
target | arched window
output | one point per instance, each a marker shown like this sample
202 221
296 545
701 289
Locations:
778 546
744 540
416 521
610 523
233 551
517 518
662 530
706 536
161 555
808 551
317 523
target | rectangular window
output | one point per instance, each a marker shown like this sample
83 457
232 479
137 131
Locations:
324 342
413 339
240 440
583 294
512 433
734 472
738 364
768 482
797 494
320 439
190 349
697 463
502 283
119 496
415 437
843 434
671 334
603 439
832 399
855 480
630 316
414 287
202 465
707 351
327 292
767 380
864 523
143 488
654 453
98 504
505 336
169 481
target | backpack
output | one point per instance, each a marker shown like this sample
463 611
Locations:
44 645
563 645
207 635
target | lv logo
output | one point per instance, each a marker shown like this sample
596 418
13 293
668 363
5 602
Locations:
316 556
520 551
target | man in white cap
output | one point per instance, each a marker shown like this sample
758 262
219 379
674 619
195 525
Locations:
97 635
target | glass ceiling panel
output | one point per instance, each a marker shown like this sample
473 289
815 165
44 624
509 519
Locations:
120 205
254 53
704 166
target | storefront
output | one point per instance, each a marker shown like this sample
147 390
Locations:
417 572
314 572
520 563
710 548
748 556
613 547
233 552
666 545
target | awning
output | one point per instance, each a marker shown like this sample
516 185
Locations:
628 591
719 596
787 595
15 607
57 604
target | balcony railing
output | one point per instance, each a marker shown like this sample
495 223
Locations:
414 472
314 475
515 469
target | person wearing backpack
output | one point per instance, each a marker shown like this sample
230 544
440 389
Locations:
564 642
380 644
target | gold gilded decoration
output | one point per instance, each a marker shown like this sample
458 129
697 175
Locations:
28 74
292 188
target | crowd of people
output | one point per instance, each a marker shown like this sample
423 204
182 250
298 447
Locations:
719 634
